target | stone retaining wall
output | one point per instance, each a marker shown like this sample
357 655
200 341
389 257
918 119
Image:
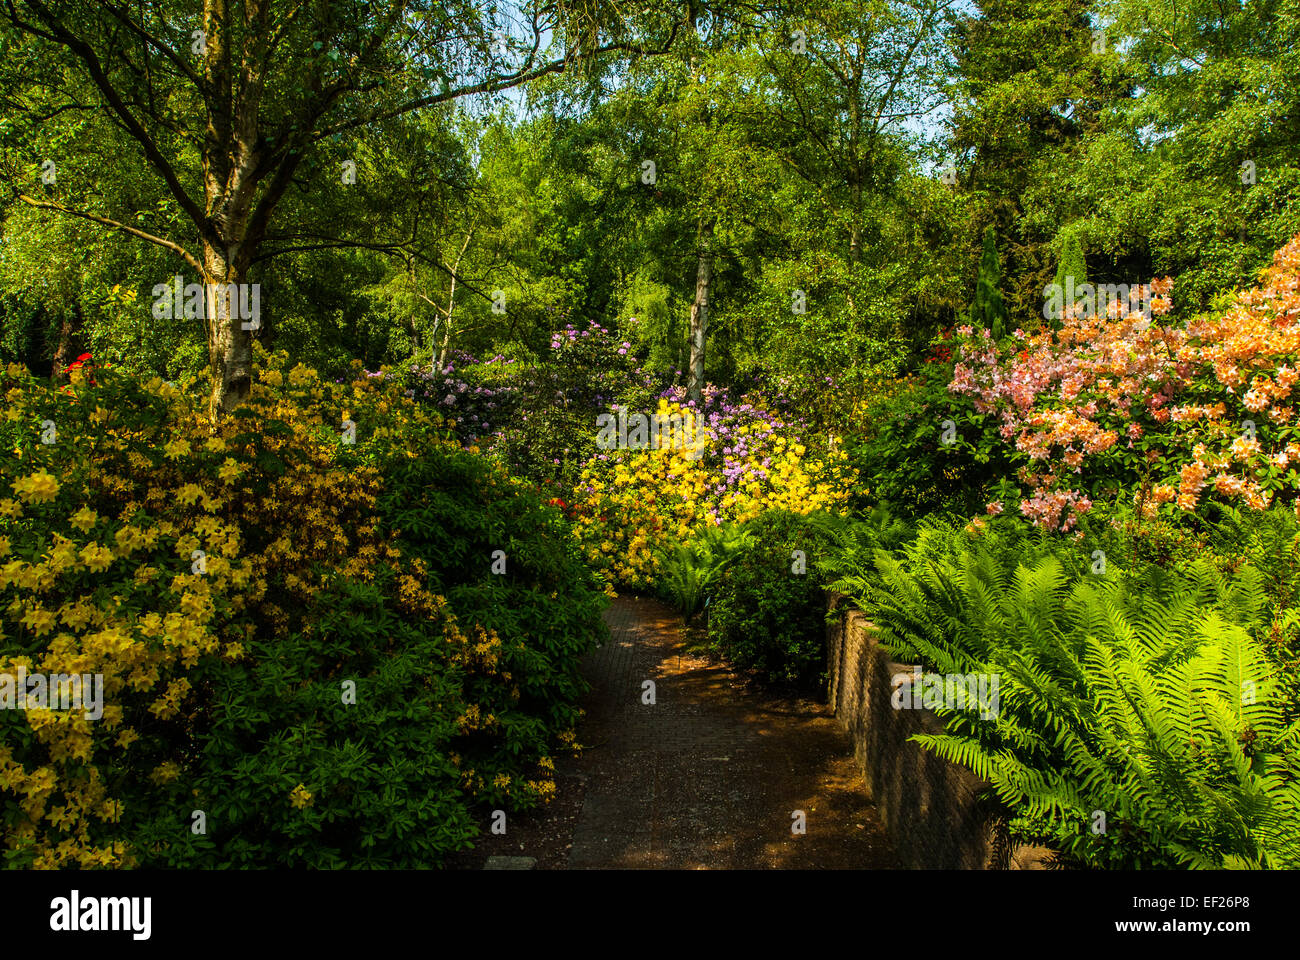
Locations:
926 803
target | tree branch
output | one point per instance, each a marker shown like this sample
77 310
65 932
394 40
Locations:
161 47
491 85
116 225
84 52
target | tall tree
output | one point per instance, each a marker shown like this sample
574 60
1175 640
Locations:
1031 80
1194 173
848 75
1071 268
226 100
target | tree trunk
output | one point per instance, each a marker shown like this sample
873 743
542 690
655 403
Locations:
451 293
411 326
855 171
855 230
855 237
65 351
230 346
700 313
451 306
446 338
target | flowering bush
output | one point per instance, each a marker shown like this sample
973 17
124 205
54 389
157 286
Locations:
83 362
475 405
632 506
229 582
1112 401
537 418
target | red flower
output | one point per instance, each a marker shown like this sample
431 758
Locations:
83 360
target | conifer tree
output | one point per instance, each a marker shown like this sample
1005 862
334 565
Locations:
988 310
1072 268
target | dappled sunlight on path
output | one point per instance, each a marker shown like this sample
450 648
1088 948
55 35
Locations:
711 773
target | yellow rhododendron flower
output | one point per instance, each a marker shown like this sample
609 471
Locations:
39 621
300 797
188 494
165 773
97 558
175 449
40 487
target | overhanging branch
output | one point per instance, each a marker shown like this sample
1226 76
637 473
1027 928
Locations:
116 225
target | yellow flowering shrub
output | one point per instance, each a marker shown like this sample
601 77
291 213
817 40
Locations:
225 582
633 505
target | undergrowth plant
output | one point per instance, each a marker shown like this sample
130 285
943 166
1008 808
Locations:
689 571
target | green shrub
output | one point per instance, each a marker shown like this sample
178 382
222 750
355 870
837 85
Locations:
768 609
380 787
907 454
323 560
455 512
987 310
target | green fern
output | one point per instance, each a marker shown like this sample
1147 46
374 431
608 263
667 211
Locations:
691 569
1143 699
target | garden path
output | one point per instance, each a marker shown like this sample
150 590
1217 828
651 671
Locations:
708 776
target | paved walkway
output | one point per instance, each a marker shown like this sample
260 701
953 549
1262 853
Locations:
711 773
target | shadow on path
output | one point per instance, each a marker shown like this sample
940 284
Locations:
707 777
